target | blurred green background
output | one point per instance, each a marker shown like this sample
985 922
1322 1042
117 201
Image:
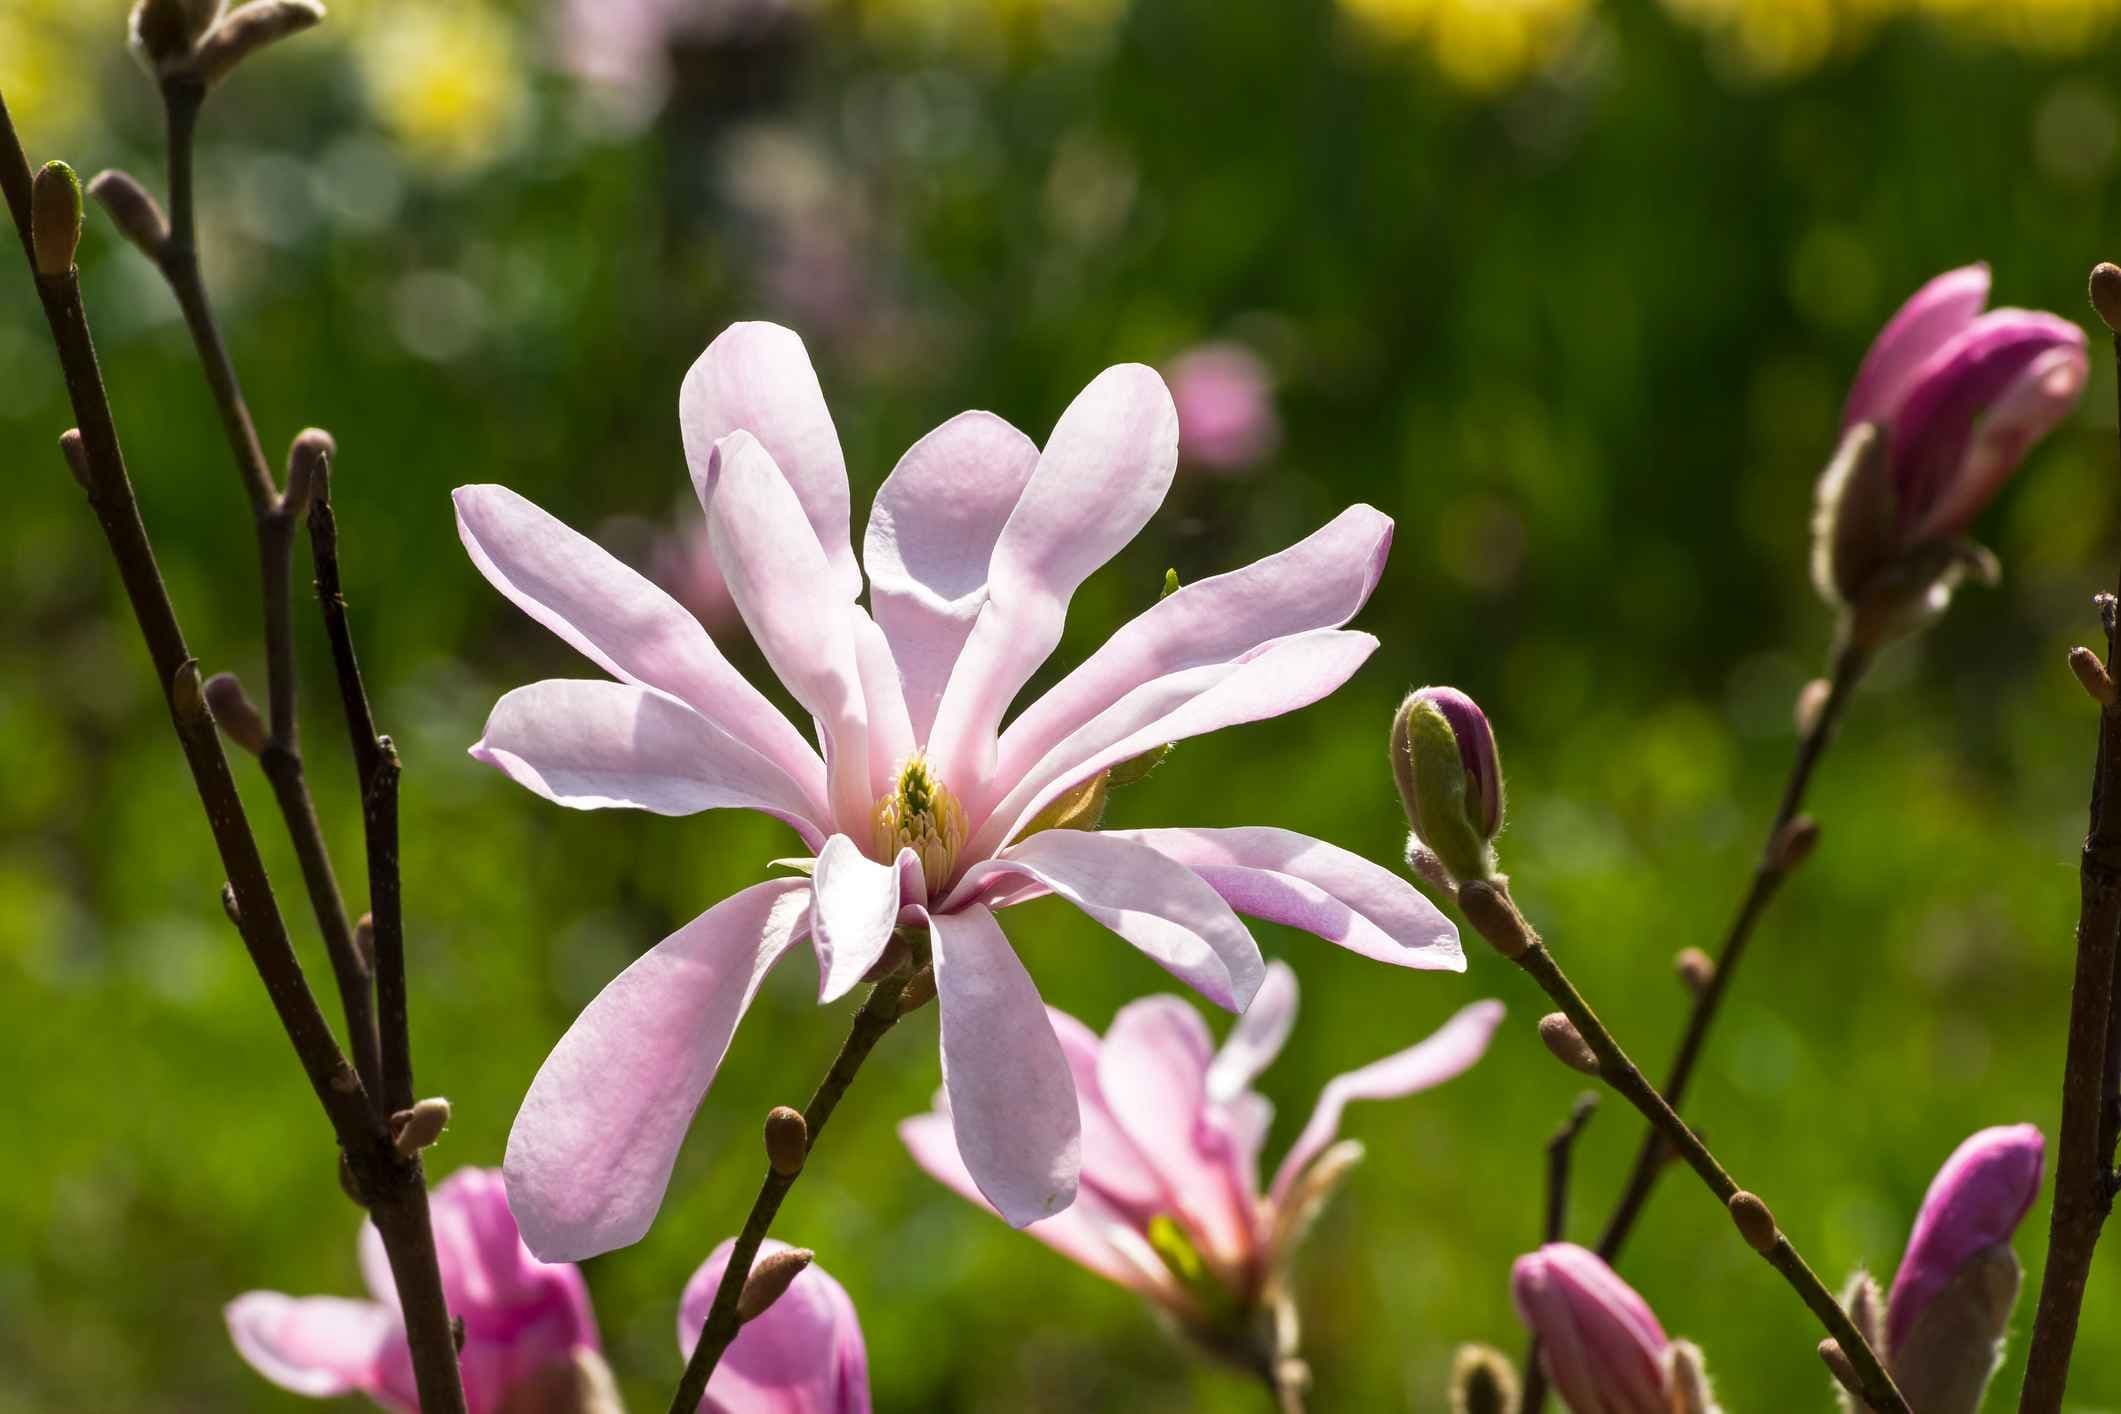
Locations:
1571 289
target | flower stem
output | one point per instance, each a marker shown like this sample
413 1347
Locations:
878 1014
1488 906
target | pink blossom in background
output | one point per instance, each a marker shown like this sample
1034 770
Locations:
680 561
1172 1132
1225 398
802 1355
524 1320
1599 1341
921 811
623 47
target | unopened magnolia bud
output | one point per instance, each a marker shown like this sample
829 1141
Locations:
136 214
76 453
230 907
1945 1360
364 941
55 217
769 1279
1811 702
1428 868
2106 293
308 463
234 714
2098 684
1688 1371
1601 1343
1794 843
1567 1043
1482 1382
1866 1307
581 1384
919 991
1449 777
1837 1363
1695 969
1974 1204
249 28
417 1128
1855 519
164 32
787 1140
1755 1223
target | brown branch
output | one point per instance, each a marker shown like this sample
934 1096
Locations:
1489 908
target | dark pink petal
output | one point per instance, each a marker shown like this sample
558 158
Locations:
1321 888
1975 1202
623 623
803 1355
1922 326
931 534
538 1311
319 1345
1602 1345
593 1145
757 378
1012 1103
2042 394
1447 1053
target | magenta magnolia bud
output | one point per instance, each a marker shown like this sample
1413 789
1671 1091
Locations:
1974 1204
1225 401
1600 1342
1449 777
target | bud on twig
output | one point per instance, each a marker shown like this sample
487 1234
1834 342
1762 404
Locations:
308 463
1495 918
234 714
364 941
770 1279
1696 970
2106 293
1794 843
1837 1362
136 214
1567 1043
417 1128
918 992
2107 605
76 453
164 32
1755 1223
2098 684
250 28
55 217
787 1141
187 697
230 907
1811 702
1689 1379
1444 762
1482 1382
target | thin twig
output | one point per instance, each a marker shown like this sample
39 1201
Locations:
1489 908
379 809
1561 1145
877 1015
2084 1158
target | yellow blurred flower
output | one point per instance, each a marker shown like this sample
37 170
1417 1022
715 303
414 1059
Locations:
448 81
1482 45
1780 38
48 61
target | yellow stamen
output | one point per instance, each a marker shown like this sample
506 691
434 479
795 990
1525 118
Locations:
921 815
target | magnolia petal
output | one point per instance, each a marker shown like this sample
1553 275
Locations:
1012 1103
595 745
1922 326
855 909
1112 1166
1161 907
1319 582
1103 473
804 1354
1321 888
1602 1345
931 534
757 378
1449 1052
1258 1036
795 608
320 1346
891 739
622 623
593 1145
2041 395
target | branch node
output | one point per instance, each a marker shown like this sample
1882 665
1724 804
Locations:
770 1278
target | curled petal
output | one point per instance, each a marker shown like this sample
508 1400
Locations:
2042 394
1112 1165
856 908
320 1346
803 1355
1930 318
1601 1343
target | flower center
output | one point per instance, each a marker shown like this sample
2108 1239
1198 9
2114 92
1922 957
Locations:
921 815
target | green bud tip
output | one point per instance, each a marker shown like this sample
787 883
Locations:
55 218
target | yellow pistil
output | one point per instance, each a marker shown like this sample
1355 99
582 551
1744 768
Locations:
921 815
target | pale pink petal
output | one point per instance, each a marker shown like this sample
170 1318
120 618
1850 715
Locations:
623 623
803 1355
1319 582
757 378
1112 1166
797 612
1103 473
594 745
2037 398
931 534
1153 1068
1011 1100
1450 1051
535 1313
1323 889
593 1145
1922 326
1257 1038
856 907
1161 907
1091 1233
320 1346
1281 677
891 740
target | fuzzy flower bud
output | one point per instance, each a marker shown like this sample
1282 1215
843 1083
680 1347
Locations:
1450 778
164 32
1599 1341
2106 293
1689 1373
1482 1382
55 217
136 214
252 27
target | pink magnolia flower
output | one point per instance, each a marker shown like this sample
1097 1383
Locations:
1225 399
1973 1205
1172 1132
1599 1341
802 1355
525 1322
919 812
1963 396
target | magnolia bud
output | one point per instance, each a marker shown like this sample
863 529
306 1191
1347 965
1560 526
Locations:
1866 1308
1794 843
187 697
787 1141
233 713
1695 968
769 1279
1974 1204
1755 1223
918 992
2106 293
1811 705
164 32
55 217
1599 1341
76 453
308 463
1855 520
419 1127
1567 1043
1482 1382
1839 1365
1689 1374
136 214
1449 777
249 28
1944 1360
364 941
2091 674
